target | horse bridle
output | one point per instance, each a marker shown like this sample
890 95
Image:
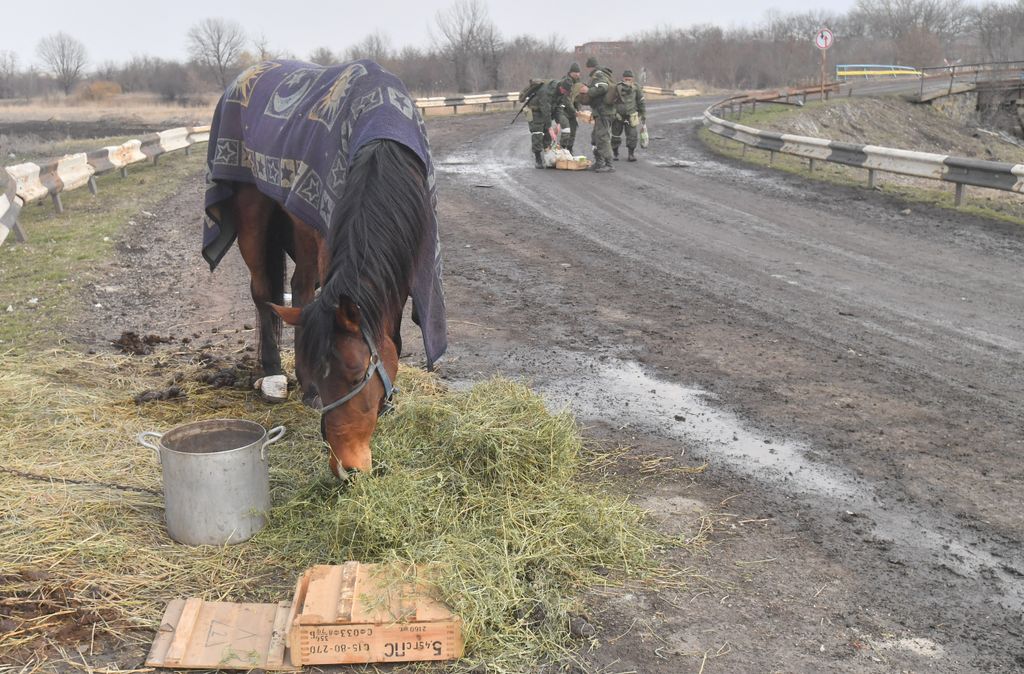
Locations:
376 365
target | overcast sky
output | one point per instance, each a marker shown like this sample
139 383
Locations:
115 30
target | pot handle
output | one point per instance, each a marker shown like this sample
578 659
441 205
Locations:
142 440
273 435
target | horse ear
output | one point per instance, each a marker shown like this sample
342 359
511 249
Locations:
289 315
347 315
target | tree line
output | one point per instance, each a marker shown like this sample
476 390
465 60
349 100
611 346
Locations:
469 53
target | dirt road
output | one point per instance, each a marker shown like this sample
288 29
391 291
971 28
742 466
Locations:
851 374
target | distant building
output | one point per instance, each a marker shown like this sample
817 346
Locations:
607 50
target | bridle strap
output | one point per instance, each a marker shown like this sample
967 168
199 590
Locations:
376 366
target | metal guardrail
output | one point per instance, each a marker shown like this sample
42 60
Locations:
25 183
866 70
513 97
961 171
468 99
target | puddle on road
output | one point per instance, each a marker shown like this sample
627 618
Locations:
622 394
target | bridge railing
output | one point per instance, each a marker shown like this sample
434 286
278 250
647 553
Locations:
961 171
866 70
972 73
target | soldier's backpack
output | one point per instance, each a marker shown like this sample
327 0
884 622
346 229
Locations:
531 89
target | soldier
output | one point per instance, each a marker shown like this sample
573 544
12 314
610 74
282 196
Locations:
598 90
575 86
630 113
542 98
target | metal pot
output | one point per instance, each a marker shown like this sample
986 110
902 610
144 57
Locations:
216 479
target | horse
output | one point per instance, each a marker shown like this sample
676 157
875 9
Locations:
331 167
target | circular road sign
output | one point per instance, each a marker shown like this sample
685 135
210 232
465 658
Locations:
824 38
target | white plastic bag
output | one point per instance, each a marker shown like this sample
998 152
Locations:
645 139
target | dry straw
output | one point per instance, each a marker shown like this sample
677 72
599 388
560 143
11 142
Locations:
483 486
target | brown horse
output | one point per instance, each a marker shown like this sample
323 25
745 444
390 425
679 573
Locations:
348 338
330 166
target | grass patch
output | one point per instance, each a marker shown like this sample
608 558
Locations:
485 486
977 201
62 251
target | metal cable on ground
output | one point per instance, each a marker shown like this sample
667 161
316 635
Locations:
87 483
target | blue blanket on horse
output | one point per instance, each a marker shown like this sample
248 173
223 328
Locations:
292 128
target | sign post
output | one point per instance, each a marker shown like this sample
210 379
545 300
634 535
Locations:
823 39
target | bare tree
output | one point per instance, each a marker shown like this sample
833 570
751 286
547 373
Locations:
491 51
8 71
462 26
217 44
322 56
376 46
261 47
64 58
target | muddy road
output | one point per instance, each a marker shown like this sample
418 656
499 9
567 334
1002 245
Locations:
850 372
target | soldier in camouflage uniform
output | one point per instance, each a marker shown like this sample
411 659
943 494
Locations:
542 106
630 113
572 82
598 89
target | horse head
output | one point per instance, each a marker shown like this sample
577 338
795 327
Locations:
352 369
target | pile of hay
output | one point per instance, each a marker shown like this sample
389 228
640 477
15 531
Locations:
484 486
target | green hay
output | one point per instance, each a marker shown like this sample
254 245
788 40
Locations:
485 487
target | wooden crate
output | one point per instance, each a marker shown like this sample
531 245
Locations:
574 165
197 634
360 613
352 613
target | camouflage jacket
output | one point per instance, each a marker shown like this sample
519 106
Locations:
547 100
630 100
599 86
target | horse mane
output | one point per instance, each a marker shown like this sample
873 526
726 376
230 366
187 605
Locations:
382 216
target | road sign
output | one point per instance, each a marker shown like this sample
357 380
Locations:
823 39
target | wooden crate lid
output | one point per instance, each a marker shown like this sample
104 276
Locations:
366 594
197 634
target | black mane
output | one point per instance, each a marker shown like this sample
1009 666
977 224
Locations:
383 214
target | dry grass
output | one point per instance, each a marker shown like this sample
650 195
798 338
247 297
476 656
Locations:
136 107
484 486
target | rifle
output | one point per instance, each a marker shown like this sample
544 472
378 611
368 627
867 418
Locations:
528 99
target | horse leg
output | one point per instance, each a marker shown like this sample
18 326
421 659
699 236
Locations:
306 246
261 249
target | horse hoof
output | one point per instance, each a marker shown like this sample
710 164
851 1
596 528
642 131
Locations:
274 388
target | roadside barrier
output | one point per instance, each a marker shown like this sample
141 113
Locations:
29 182
866 70
961 171
469 99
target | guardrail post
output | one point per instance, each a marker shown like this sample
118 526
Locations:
188 150
810 165
455 109
771 157
871 179
19 233
485 107
124 171
753 106
959 197
156 158
57 205
92 185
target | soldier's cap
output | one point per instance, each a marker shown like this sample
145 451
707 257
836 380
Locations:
574 68
627 73
592 62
